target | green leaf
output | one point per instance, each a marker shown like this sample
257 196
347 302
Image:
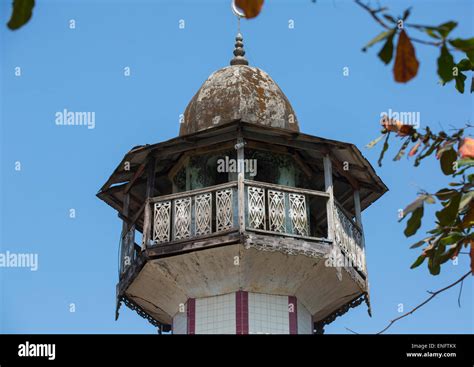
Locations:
465 162
430 31
463 165
386 53
378 38
418 262
414 223
451 238
465 200
437 230
461 171
22 11
433 266
446 28
470 55
448 254
466 45
422 242
445 65
464 65
463 44
390 18
384 149
460 79
447 159
445 194
430 151
406 14
417 244
434 262
448 214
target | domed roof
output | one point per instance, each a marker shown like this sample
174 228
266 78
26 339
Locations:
237 92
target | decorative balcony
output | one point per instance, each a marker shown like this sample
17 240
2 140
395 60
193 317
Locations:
272 210
349 237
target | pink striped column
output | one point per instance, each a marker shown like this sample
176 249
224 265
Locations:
242 312
293 314
191 315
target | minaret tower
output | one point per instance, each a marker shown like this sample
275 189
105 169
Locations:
242 224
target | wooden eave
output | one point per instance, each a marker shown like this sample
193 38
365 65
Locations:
310 148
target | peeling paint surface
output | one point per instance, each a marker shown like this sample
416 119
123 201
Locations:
238 92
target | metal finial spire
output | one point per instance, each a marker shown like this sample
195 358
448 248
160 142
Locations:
239 52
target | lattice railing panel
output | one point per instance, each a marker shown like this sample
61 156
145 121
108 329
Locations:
161 222
224 210
276 211
256 207
298 214
203 214
182 218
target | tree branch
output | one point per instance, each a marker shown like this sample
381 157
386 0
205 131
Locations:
436 44
373 13
460 293
433 295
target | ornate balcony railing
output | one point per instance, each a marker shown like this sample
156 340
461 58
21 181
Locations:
267 208
194 213
349 237
278 209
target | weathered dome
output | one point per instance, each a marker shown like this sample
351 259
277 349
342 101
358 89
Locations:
238 92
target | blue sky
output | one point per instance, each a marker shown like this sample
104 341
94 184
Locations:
81 69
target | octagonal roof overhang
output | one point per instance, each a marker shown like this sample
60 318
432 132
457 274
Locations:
310 150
